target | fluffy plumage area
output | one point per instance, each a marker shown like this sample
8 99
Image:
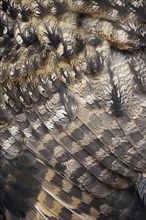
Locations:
72 110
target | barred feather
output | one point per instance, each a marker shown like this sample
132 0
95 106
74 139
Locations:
72 110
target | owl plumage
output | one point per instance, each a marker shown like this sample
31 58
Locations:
72 110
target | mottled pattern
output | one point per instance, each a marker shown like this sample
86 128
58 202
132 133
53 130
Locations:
72 110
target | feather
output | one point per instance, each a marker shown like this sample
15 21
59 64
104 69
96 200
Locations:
72 110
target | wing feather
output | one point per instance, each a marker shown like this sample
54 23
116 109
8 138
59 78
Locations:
72 109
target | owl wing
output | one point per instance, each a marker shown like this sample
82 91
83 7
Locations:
72 110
